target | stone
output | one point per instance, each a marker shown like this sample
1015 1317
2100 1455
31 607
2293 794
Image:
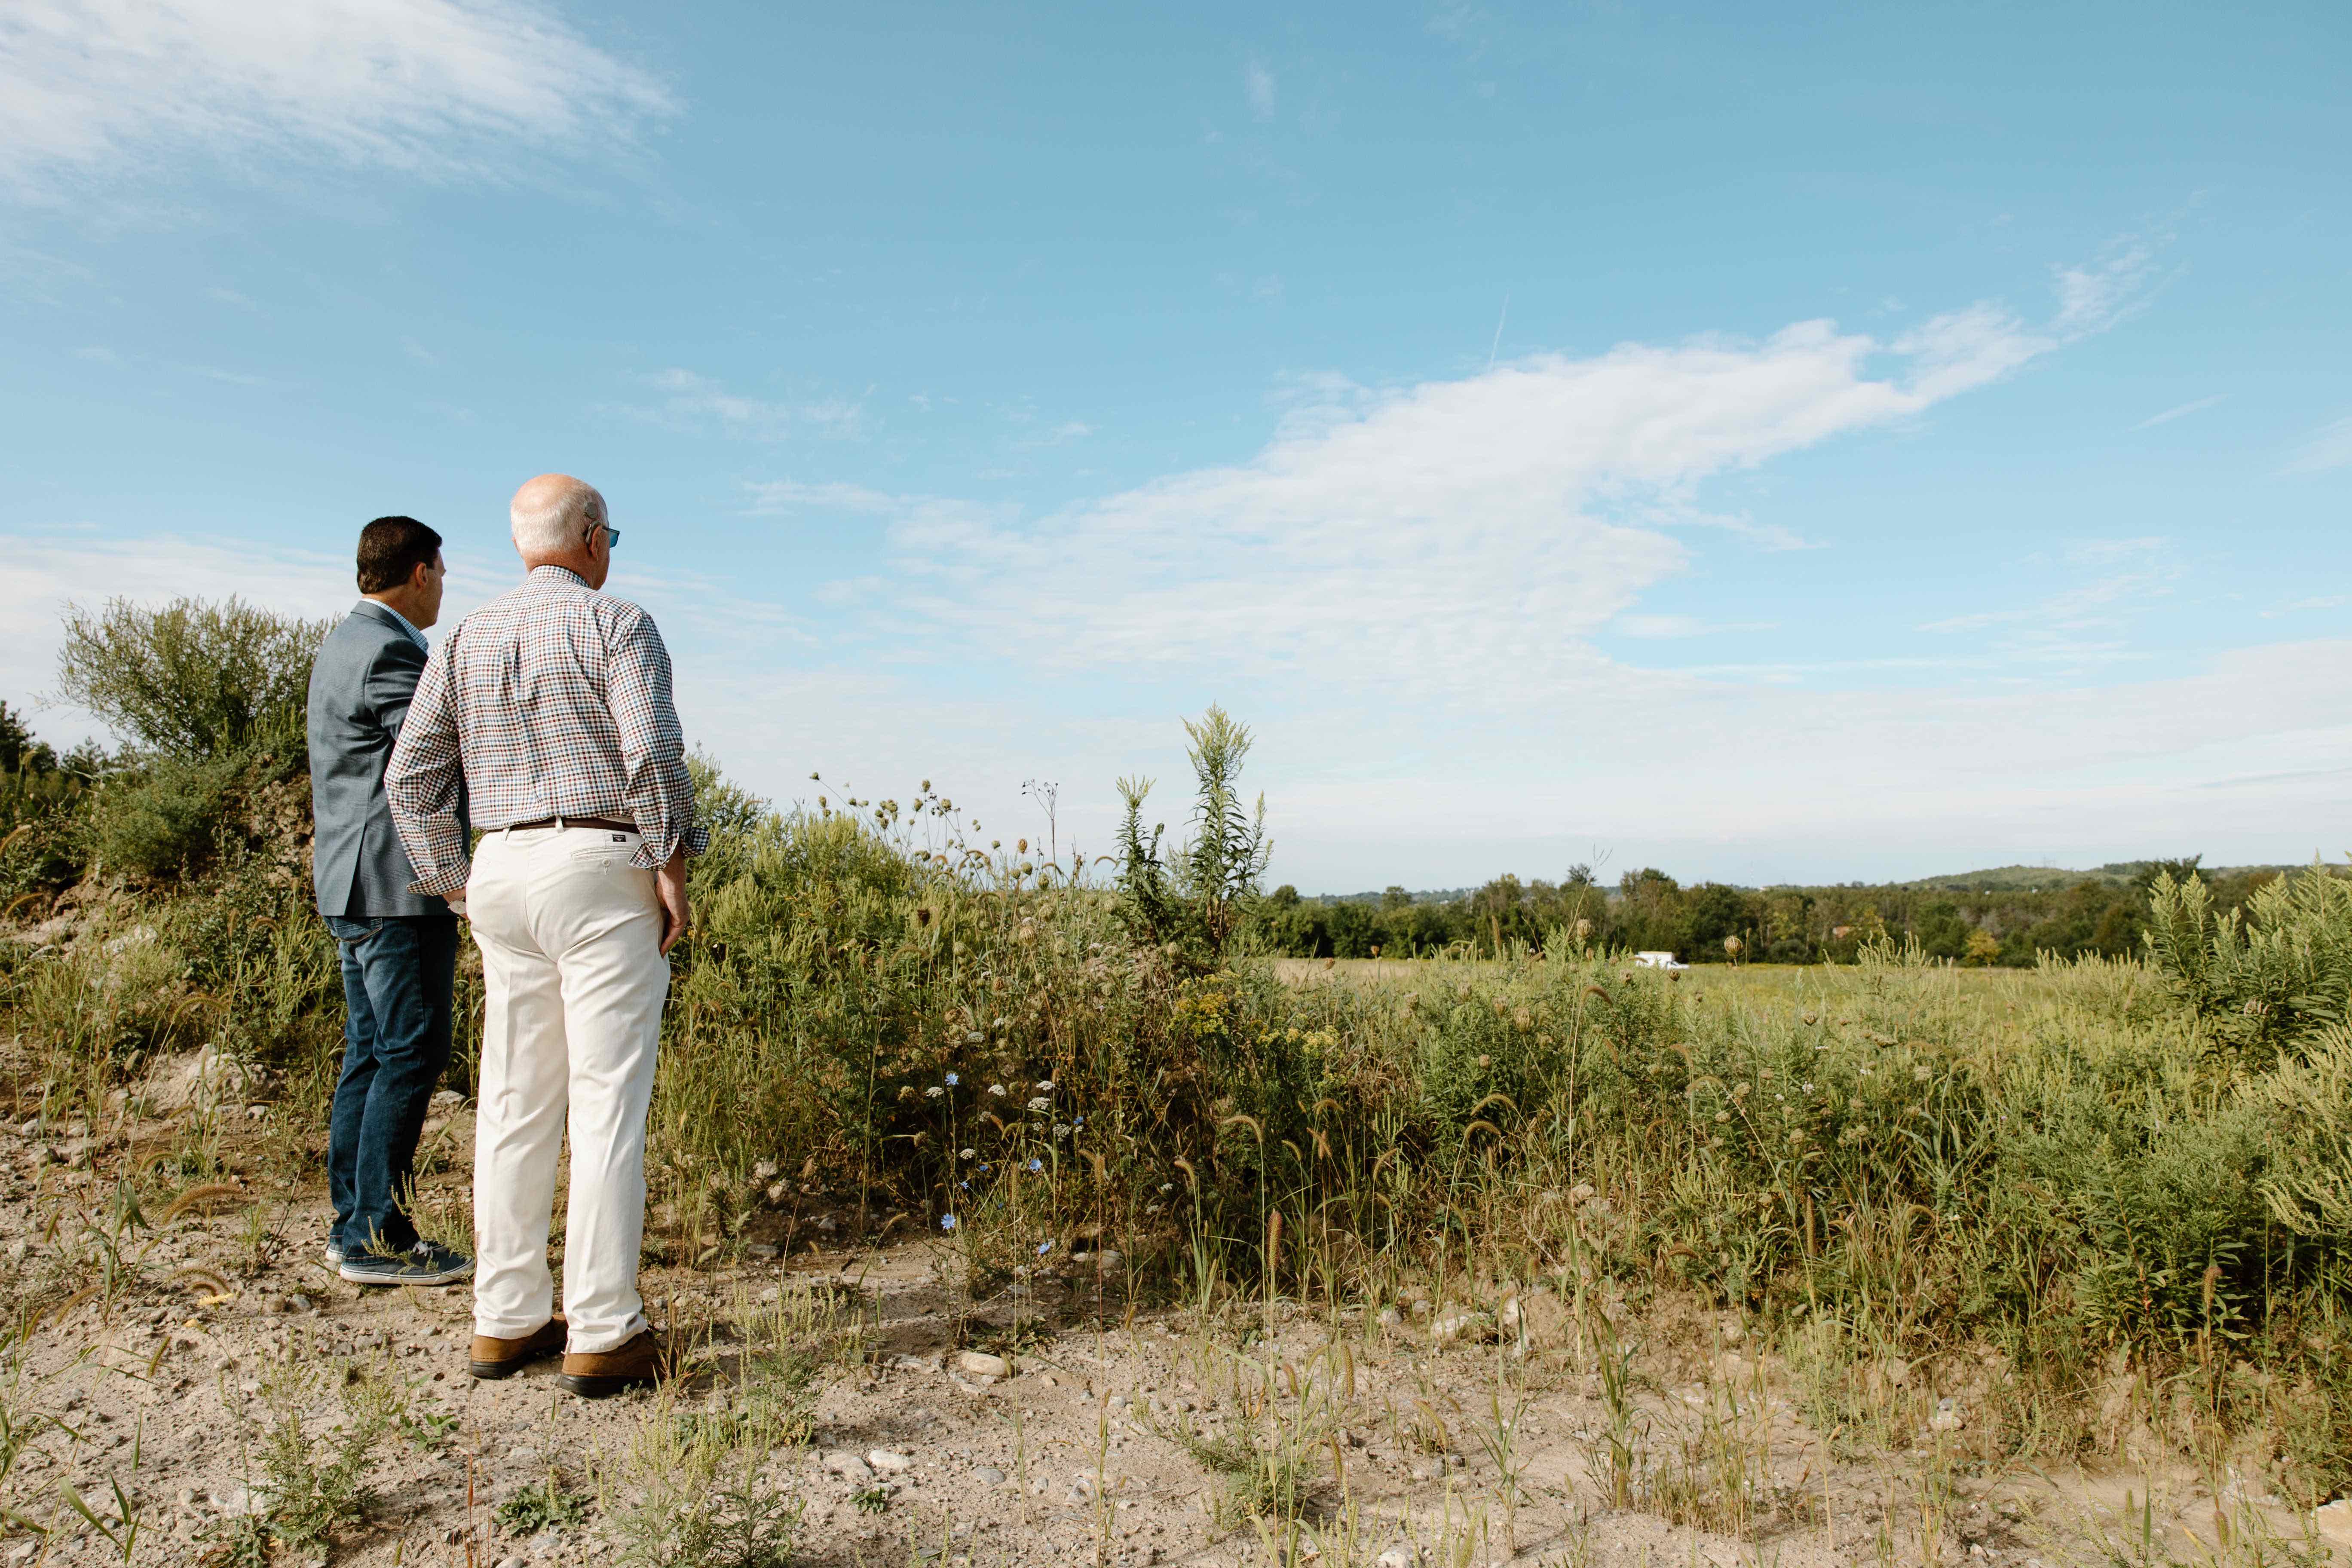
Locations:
980 1364
1462 1328
1537 1320
888 1463
848 1467
202 1078
1402 1554
2333 1519
988 1475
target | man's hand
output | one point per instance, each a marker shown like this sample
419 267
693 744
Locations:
671 883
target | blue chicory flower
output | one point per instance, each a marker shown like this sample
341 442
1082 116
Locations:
953 1080
1036 1164
947 1221
1044 1247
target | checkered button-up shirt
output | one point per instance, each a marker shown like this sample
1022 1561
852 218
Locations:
553 701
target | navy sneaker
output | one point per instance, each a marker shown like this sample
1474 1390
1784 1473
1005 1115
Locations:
424 1264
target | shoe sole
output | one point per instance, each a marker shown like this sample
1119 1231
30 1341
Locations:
492 1371
601 1386
446 1277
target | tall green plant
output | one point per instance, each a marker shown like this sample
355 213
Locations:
1199 897
192 677
2268 975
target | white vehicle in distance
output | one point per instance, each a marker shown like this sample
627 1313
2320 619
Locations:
1657 960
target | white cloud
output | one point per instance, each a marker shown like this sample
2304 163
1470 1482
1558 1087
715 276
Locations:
125 88
1684 626
2170 415
691 401
2317 602
788 496
2094 298
49 572
1257 86
2061 625
1421 540
2329 447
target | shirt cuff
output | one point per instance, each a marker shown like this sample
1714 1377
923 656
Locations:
442 884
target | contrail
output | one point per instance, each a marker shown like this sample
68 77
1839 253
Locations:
1493 348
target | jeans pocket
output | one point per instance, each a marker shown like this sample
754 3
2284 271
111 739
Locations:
344 929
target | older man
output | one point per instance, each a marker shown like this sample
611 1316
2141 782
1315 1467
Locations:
551 706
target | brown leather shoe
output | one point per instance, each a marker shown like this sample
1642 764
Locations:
644 1360
504 1358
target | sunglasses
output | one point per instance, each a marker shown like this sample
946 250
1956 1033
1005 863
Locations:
612 534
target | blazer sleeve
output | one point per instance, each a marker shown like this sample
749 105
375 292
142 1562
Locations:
390 685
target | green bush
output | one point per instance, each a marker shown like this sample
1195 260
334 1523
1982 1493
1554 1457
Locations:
163 819
2264 977
191 678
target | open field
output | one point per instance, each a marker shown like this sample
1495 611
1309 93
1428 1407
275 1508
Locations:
1551 1269
1034 1213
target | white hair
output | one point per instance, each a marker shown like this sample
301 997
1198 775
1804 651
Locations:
558 525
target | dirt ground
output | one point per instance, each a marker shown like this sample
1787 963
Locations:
1423 1431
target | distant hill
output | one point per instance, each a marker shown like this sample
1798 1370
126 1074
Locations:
2041 879
1990 879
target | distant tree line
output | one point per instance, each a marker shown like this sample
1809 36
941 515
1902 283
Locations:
2069 914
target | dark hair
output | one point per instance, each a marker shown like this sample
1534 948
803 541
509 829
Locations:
392 548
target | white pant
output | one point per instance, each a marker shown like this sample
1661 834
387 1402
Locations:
571 936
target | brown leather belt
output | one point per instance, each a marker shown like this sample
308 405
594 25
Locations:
604 822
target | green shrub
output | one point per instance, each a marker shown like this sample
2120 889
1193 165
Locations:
192 677
167 818
2266 975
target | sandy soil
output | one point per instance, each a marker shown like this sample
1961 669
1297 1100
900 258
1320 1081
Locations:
1087 1451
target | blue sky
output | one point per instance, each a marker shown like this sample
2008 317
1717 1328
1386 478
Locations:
1766 442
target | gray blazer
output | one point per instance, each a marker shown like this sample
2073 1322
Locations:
361 683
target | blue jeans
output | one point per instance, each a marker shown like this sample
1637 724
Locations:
398 973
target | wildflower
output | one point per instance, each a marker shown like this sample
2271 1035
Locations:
953 1080
965 1185
1036 1164
1044 1247
970 1153
1081 1121
1166 1188
1060 1131
947 1221
985 1167
1041 1105
933 1092
997 1089
1045 1086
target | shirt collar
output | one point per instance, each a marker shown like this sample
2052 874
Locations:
550 573
414 635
